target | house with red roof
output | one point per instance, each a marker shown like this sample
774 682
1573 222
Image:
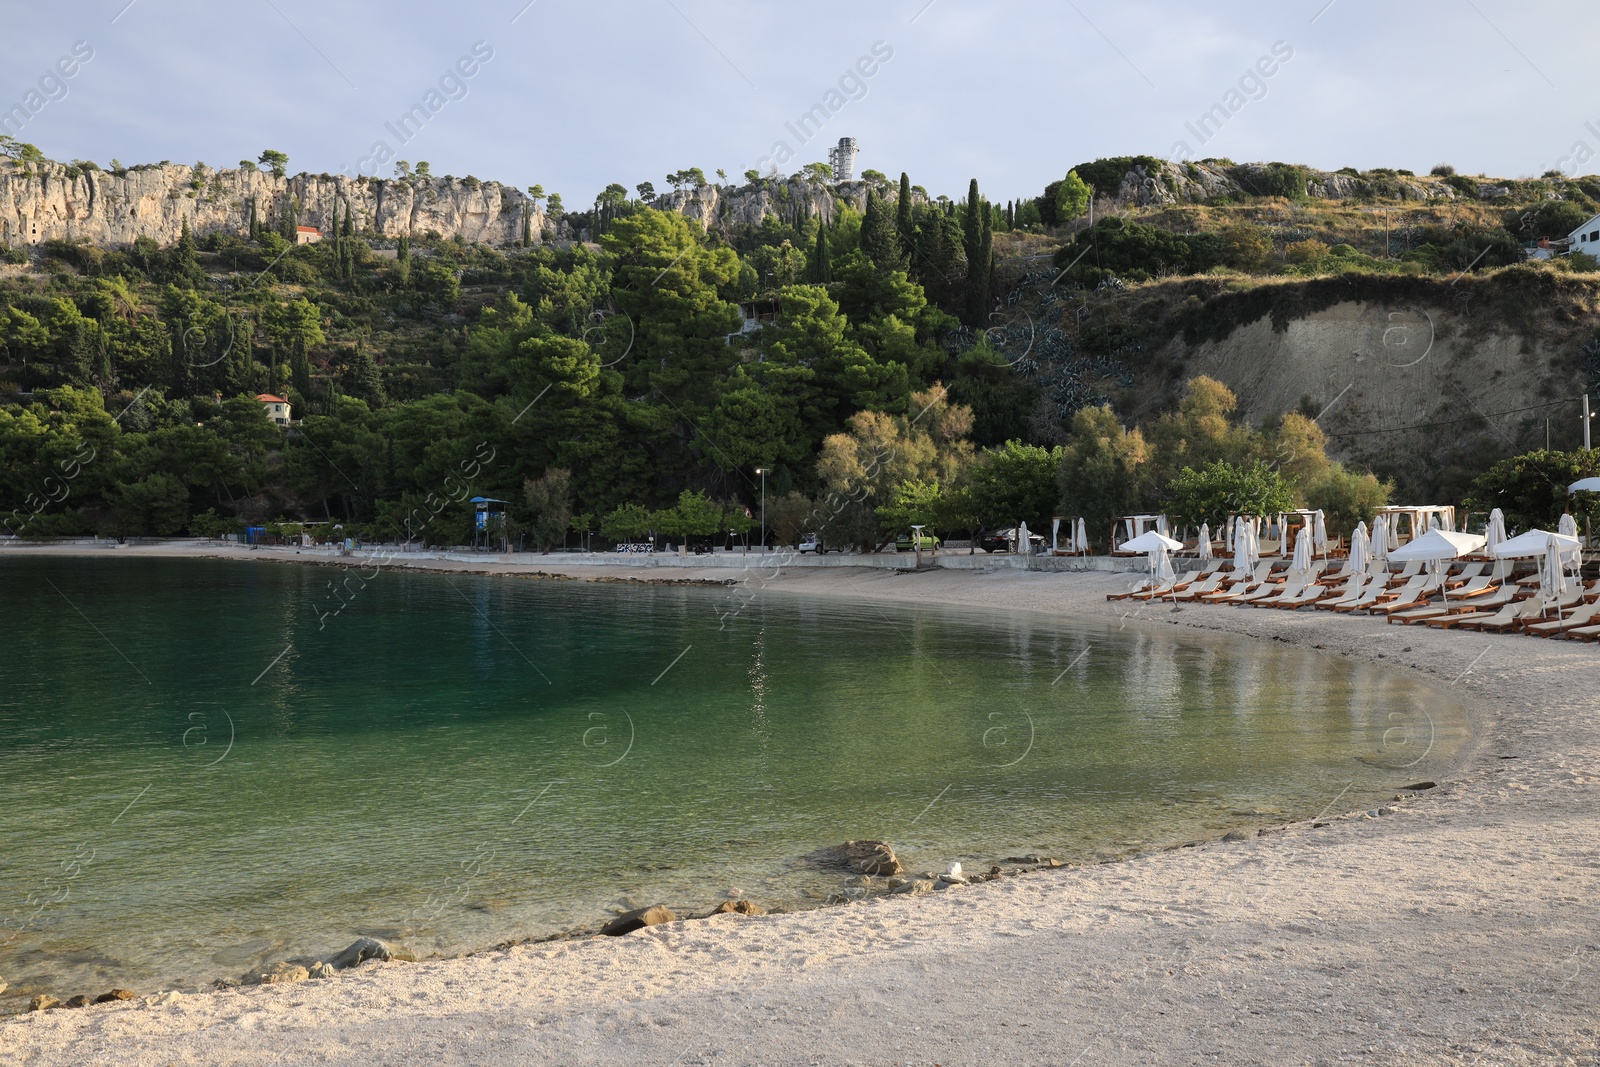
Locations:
277 408
307 235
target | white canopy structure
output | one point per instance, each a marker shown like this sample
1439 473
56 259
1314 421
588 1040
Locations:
1534 543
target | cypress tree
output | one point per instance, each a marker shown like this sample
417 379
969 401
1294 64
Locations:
902 212
974 227
878 239
255 228
821 270
402 261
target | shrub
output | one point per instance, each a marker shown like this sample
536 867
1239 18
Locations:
1443 170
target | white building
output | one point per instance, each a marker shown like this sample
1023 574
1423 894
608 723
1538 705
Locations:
276 407
1586 238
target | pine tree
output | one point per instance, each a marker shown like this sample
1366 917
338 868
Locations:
300 371
902 212
821 271
364 379
878 238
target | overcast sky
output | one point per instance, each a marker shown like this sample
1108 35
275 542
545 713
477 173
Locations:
576 95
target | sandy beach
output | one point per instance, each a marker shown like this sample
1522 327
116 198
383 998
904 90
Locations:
1457 928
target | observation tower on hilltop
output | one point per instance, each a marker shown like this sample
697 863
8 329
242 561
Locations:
842 158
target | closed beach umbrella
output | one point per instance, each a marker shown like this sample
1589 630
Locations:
1301 563
1082 537
1319 528
1241 549
1380 539
1161 525
1360 550
1055 531
1022 538
1569 528
1495 532
1163 564
1204 544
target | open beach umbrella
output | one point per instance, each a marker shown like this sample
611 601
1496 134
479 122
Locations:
1584 485
1360 550
1156 546
1534 543
1203 545
1319 529
1495 532
1380 539
1436 546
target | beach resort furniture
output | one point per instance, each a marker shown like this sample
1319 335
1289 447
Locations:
1238 587
1211 583
1582 615
1507 612
1307 598
1532 610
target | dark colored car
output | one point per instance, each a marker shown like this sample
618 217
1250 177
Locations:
1004 539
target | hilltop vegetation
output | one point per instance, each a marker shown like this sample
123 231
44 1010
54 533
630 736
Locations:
610 381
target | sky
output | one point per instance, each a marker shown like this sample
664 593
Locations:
573 96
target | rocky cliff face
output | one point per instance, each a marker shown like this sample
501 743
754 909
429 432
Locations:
1178 183
53 201
727 207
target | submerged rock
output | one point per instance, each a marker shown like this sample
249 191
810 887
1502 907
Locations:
739 907
370 948
43 1002
1236 835
321 969
915 888
862 857
115 994
638 919
79 1001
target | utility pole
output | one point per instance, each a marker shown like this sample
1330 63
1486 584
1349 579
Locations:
1586 418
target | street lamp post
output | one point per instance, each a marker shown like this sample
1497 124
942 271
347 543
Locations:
763 472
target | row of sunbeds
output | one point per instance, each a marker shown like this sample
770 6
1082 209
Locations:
1483 596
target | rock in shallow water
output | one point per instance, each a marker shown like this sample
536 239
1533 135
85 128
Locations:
638 919
863 857
79 1001
115 994
370 948
322 970
915 888
43 1002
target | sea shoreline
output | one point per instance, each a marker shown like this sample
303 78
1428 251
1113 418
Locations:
1513 684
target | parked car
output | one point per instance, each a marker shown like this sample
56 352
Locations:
1004 539
905 542
811 543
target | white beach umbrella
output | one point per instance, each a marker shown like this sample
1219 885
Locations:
1568 526
1203 545
1391 531
1227 537
1162 564
1302 551
1380 539
1584 485
1149 541
1534 543
1081 536
1495 532
1241 548
1319 529
1436 546
1022 539
1360 550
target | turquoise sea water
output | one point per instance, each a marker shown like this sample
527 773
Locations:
202 771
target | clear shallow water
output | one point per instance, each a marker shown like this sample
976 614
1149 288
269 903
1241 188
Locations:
200 774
